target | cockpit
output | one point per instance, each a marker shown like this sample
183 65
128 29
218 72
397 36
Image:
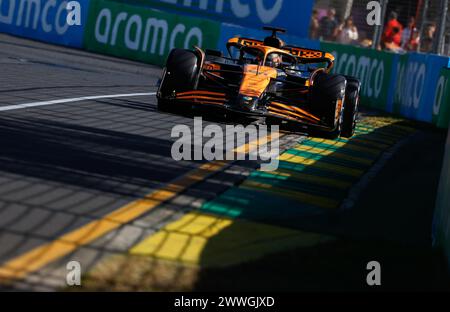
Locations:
252 55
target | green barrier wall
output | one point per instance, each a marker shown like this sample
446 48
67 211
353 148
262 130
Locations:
373 68
144 34
441 105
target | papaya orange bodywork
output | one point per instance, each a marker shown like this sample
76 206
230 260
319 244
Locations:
256 79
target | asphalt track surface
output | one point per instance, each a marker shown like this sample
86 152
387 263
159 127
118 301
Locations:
66 164
86 174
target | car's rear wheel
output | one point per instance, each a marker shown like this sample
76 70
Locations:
351 107
180 74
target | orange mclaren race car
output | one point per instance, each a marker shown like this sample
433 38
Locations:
264 78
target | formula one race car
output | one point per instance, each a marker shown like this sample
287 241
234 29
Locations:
266 79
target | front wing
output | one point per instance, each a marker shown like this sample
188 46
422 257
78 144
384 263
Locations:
270 108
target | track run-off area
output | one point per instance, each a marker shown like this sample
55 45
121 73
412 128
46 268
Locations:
86 175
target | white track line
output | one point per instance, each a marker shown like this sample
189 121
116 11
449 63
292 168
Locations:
78 99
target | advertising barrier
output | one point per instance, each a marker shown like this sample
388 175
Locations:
43 20
441 224
418 76
292 15
145 35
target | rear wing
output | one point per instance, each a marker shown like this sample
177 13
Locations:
302 54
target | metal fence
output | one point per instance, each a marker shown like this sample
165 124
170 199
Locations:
406 25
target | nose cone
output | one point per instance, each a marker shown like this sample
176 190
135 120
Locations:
255 81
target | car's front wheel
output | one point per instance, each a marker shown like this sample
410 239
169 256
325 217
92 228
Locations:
179 75
328 98
351 107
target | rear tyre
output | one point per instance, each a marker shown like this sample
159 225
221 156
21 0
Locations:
351 107
180 74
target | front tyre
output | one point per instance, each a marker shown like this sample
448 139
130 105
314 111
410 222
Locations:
180 74
351 107
337 132
328 98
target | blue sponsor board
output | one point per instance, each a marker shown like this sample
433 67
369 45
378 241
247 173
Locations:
434 65
391 91
44 20
229 31
417 78
290 14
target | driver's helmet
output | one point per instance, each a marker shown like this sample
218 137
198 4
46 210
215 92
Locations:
274 60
